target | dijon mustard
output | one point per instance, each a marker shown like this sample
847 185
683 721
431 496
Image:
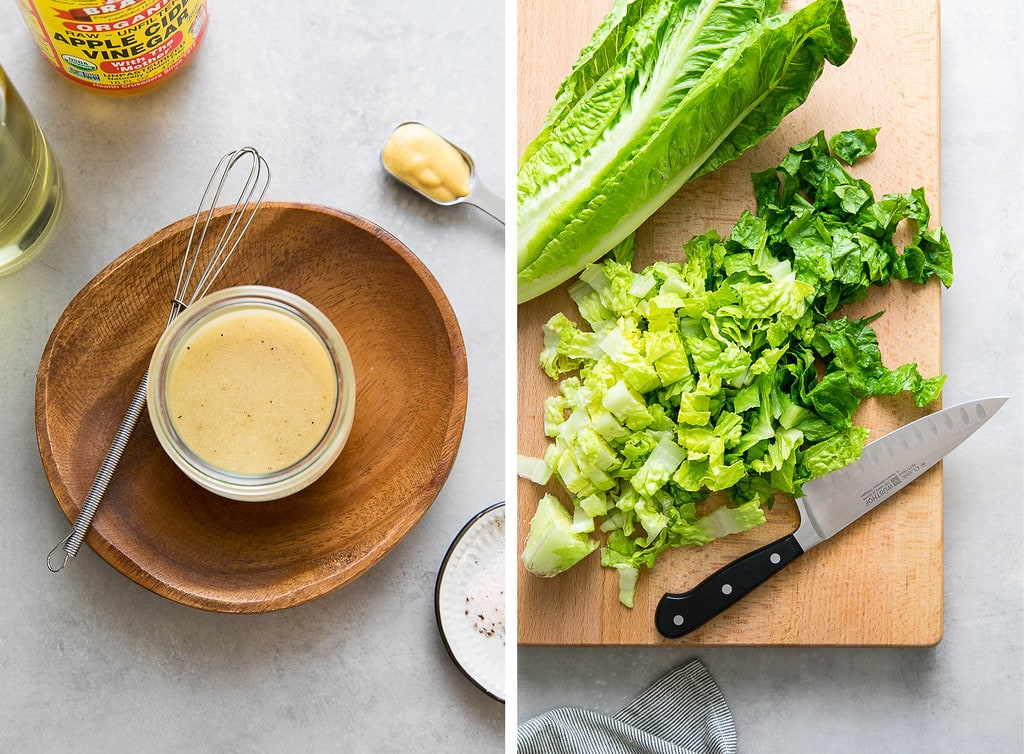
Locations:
427 162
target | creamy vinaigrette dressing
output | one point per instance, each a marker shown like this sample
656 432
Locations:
252 390
427 162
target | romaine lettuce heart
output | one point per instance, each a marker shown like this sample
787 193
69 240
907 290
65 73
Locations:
665 92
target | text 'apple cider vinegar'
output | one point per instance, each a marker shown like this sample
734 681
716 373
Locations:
122 47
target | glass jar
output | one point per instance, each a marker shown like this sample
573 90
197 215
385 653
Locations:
251 392
30 182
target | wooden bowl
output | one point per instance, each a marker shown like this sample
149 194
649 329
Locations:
189 545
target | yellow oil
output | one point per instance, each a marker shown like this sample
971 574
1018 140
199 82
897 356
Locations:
30 184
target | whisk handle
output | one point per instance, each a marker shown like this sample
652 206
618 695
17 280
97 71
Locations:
71 543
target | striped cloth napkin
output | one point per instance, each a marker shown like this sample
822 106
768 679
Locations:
681 713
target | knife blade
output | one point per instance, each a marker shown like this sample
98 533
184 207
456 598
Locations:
828 505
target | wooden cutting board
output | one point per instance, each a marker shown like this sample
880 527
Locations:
880 581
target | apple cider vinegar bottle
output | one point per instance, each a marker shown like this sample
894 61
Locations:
121 47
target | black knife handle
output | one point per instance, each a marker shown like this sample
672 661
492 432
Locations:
679 614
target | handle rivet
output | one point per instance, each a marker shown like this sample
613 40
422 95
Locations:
726 588
677 620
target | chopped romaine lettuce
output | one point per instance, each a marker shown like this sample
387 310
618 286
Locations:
728 371
553 545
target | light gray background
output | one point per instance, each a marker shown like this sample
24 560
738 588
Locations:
966 693
90 661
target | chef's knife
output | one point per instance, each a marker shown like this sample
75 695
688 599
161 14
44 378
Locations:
829 504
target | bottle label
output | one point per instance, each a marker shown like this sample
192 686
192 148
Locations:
120 45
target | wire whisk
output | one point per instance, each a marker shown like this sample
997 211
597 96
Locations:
200 266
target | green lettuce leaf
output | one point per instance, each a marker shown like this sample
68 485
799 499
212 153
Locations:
665 92
836 235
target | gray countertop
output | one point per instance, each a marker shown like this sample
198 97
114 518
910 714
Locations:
88 659
966 693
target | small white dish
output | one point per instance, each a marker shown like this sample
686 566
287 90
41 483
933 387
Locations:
469 600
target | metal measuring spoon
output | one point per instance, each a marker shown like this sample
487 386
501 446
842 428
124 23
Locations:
479 195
